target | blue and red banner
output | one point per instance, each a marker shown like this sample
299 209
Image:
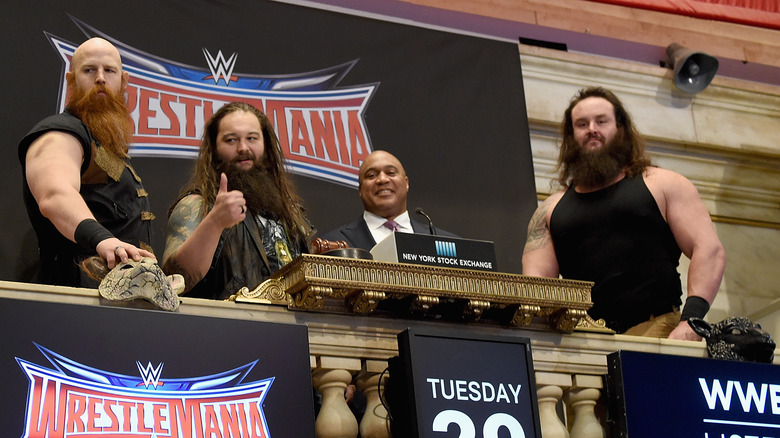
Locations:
335 84
73 371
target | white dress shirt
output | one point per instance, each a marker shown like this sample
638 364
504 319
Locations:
379 232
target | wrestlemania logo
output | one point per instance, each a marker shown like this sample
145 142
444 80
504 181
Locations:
76 401
321 128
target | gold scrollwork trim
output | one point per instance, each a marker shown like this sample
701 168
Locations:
567 319
359 286
312 297
476 308
588 324
392 275
365 302
424 303
271 291
524 315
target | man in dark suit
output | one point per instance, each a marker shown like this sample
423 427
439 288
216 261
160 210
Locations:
383 187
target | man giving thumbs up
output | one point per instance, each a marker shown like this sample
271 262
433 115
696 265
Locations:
239 219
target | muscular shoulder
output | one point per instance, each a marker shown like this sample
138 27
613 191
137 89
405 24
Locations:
548 205
668 186
188 209
57 134
54 150
57 139
184 218
539 253
61 124
661 175
665 180
539 226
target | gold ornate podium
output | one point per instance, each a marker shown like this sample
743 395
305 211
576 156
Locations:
342 285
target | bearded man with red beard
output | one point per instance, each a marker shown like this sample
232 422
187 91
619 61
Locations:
239 219
623 224
81 194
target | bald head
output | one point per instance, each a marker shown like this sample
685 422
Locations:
97 62
383 185
92 46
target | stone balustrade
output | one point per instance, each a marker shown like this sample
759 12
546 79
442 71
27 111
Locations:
353 350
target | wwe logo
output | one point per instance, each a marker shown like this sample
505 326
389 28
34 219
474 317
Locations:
219 67
150 375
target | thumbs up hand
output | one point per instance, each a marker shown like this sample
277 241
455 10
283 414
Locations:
229 206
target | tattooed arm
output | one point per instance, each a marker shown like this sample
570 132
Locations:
539 254
181 256
193 235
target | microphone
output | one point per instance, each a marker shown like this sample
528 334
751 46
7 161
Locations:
430 222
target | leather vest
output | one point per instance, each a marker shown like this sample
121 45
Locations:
240 260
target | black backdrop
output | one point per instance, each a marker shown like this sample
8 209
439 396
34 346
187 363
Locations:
451 107
112 339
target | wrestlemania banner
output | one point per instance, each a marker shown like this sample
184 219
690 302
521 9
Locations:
79 400
320 128
48 394
336 84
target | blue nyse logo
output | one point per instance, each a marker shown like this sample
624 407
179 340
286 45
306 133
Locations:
446 249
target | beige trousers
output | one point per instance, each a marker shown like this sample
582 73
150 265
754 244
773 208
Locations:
657 326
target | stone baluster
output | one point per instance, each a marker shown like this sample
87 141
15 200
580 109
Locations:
581 399
375 422
548 393
335 419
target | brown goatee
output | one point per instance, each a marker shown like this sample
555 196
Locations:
106 117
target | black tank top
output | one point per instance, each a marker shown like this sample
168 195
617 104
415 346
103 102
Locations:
617 238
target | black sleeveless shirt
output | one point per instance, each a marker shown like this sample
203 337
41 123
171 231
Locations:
617 238
115 197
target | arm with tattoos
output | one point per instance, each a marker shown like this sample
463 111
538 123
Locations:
184 220
193 235
539 258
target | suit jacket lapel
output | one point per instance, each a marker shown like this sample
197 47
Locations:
419 228
358 233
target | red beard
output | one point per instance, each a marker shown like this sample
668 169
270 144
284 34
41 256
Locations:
106 117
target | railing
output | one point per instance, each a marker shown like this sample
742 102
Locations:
353 349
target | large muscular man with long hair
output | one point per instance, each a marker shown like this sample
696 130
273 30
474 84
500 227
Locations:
623 224
239 219
81 194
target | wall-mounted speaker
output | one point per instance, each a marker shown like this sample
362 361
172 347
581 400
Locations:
693 71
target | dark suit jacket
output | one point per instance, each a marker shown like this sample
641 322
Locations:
357 234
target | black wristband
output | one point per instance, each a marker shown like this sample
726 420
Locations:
89 233
694 307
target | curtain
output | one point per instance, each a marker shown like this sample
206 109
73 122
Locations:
761 13
759 5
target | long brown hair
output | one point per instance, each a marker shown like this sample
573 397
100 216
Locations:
627 132
205 181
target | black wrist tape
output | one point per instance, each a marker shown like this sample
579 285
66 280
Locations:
694 307
89 233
